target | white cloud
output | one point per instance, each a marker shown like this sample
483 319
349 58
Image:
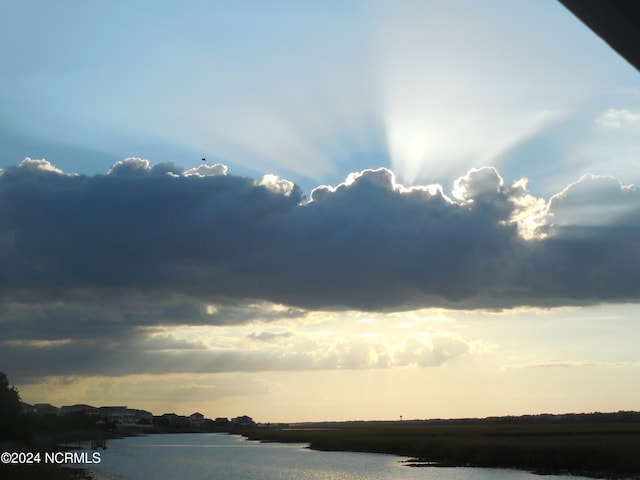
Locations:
207 170
618 118
42 165
594 201
277 185
130 166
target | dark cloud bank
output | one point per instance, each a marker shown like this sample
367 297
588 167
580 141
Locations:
143 232
88 264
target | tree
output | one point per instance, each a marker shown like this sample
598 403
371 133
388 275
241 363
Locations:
10 411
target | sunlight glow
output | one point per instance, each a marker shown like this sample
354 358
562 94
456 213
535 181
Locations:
211 309
404 325
38 343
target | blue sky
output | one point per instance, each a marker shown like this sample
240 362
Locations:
392 191
311 91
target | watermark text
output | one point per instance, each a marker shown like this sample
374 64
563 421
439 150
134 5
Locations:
57 458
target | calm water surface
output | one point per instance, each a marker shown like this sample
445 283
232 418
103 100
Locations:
230 457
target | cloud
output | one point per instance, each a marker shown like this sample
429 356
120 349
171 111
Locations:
595 201
115 319
478 183
567 364
29 164
207 170
128 272
155 352
269 336
618 118
432 351
154 235
608 144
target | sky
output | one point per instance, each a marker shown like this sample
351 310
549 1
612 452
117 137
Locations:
416 209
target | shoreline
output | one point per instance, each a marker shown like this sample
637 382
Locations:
588 450
419 463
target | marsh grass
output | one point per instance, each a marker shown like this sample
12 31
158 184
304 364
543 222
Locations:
610 450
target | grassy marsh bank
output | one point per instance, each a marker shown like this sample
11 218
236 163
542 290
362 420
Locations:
610 450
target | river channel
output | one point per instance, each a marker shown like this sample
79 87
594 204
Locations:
231 457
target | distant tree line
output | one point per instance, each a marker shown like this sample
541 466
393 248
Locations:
550 418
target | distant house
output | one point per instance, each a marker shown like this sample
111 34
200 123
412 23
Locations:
79 408
143 417
243 421
196 420
45 409
121 415
115 414
173 419
221 422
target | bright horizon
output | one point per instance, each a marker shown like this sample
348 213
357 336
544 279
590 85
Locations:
425 210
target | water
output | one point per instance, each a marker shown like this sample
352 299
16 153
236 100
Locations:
228 457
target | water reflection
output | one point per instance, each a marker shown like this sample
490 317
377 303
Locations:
221 456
